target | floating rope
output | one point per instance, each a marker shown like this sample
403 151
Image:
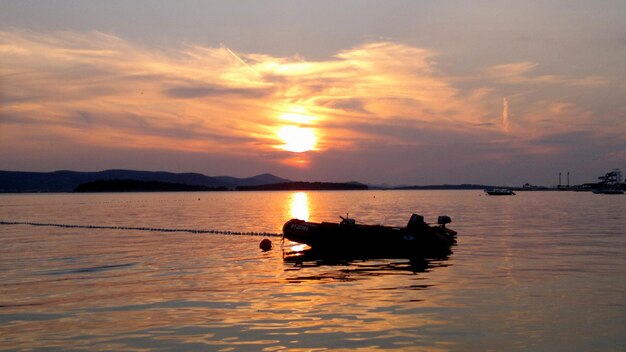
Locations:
136 228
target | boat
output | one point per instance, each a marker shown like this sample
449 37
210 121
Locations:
417 238
499 192
611 183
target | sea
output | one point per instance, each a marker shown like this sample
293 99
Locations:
538 271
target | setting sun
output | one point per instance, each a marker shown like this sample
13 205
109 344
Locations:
297 139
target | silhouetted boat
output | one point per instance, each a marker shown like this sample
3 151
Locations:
347 237
499 192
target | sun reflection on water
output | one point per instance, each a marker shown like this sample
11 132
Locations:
300 206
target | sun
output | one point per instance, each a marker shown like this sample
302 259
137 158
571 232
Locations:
297 139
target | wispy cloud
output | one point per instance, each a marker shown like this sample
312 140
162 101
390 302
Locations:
523 73
97 89
60 74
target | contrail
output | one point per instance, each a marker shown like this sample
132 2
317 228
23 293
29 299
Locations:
505 114
238 58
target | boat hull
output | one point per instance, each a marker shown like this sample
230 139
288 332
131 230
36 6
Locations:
500 192
340 237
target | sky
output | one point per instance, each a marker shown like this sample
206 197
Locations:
381 92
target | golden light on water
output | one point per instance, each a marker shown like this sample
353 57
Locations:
297 139
300 206
299 247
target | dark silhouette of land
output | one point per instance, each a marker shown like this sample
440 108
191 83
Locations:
305 186
142 181
68 181
148 181
141 186
451 187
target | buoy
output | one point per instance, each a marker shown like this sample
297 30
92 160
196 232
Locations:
265 245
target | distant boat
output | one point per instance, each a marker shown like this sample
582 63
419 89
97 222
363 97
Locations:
499 192
611 183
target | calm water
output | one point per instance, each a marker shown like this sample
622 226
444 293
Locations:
540 271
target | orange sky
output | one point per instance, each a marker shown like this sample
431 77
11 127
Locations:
377 111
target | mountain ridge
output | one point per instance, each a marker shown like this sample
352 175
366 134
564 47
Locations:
67 180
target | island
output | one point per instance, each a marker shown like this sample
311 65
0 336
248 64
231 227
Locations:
141 186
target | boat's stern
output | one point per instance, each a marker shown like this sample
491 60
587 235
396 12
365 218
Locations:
297 230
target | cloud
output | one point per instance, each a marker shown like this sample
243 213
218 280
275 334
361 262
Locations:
190 92
522 73
138 93
98 90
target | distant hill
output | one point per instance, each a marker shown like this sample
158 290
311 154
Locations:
67 181
263 179
141 186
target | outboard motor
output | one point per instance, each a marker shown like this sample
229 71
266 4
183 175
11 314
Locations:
415 222
443 220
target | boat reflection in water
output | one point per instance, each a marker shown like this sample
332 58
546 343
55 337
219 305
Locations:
360 263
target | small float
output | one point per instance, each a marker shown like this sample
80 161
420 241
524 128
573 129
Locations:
416 239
